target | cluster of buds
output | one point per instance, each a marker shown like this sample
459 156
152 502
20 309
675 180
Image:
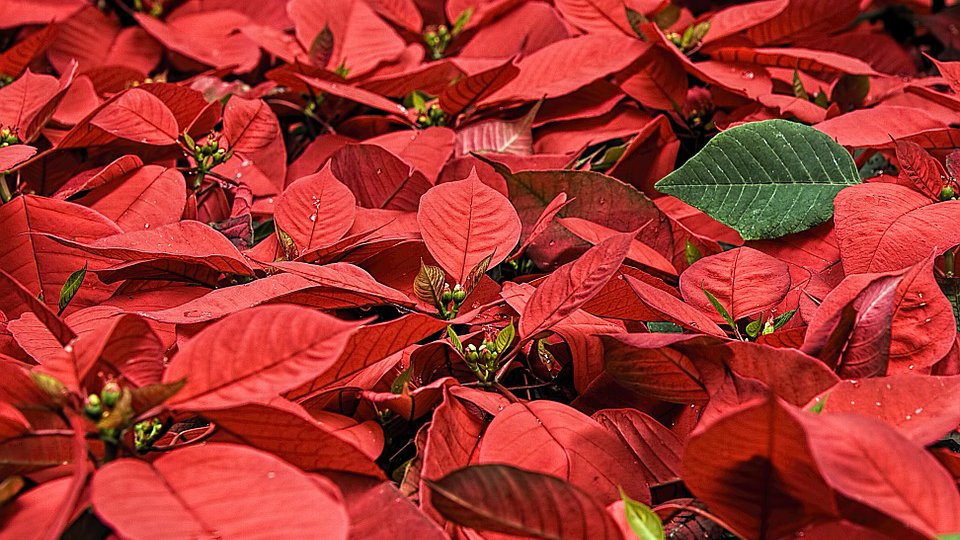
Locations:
313 102
111 410
8 137
147 432
207 155
948 193
482 360
437 40
152 7
432 116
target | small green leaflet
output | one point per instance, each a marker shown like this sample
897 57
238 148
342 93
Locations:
401 381
692 252
70 287
817 407
798 89
663 327
505 338
455 339
754 328
642 520
719 307
782 319
765 179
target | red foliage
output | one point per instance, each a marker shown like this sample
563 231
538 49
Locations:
261 258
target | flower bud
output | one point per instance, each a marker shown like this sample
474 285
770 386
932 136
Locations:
947 193
110 393
93 408
458 294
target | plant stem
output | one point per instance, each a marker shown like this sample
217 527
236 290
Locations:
4 189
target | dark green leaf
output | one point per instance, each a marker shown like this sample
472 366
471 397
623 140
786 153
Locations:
783 319
765 179
70 287
663 327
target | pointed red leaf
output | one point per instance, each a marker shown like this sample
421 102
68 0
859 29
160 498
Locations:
883 227
745 281
670 308
289 432
564 66
23 301
573 284
851 329
463 222
923 328
657 79
921 406
470 90
453 438
804 18
252 355
315 211
870 462
362 40
755 470
790 374
149 197
94 39
183 243
139 116
215 490
255 137
42 265
646 257
16 154
514 501
570 446
657 448
659 365
596 16
378 178
920 168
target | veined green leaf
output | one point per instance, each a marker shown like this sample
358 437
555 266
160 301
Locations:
765 179
70 287
642 520
505 338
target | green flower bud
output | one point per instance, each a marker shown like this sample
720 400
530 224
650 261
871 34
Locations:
93 408
110 393
947 193
446 297
458 294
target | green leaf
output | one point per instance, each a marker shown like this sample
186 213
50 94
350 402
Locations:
455 339
419 103
663 327
719 307
850 91
754 328
950 536
821 99
505 338
692 252
462 21
783 319
817 408
70 287
668 16
798 89
401 381
765 179
642 520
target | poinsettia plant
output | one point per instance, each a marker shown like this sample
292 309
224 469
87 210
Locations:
438 269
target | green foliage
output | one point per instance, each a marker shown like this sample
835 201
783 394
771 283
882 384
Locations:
765 179
642 520
70 288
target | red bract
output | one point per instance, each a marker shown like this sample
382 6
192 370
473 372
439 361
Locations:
457 269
